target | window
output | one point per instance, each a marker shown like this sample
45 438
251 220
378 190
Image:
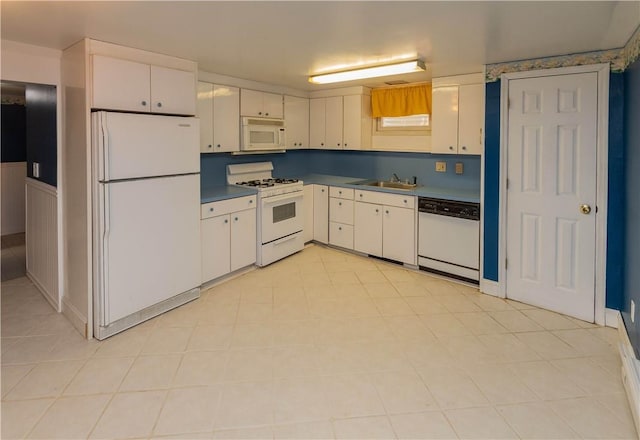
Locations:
400 125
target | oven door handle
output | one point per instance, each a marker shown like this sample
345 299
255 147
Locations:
276 199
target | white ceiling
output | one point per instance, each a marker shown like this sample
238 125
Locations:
281 43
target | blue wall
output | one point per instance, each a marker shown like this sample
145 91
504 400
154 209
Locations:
365 164
615 244
631 266
42 141
14 146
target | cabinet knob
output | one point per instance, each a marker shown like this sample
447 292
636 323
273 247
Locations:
386 212
450 147
339 228
339 192
322 144
226 220
159 104
464 147
266 114
144 103
338 144
345 144
322 190
339 203
377 210
210 209
250 202
235 219
360 195
259 113
209 146
405 200
218 146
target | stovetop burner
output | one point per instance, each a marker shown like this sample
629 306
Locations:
266 183
280 180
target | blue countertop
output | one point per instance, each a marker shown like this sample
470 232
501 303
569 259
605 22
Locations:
224 192
420 191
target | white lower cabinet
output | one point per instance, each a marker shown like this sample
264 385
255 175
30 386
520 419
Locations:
385 226
341 235
321 213
341 217
228 235
307 231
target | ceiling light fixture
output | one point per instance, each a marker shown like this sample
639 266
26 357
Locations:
369 72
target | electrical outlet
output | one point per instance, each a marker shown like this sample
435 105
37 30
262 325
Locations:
441 167
633 311
36 169
459 168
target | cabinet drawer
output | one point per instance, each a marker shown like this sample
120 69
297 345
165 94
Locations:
382 198
227 206
342 193
341 235
341 210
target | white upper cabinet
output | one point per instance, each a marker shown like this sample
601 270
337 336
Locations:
261 104
457 115
219 113
296 116
131 86
340 122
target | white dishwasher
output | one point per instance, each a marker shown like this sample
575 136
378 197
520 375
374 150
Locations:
449 238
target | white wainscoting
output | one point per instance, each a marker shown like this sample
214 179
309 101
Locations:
42 239
13 175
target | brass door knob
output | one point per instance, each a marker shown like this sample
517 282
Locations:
585 209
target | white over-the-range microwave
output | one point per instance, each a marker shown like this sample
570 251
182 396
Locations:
260 134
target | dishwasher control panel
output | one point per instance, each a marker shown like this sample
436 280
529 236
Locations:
451 208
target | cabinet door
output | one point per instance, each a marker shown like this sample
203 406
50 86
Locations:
341 211
173 91
470 120
352 122
444 132
216 246
205 113
251 103
243 238
296 114
333 118
341 235
226 118
321 213
272 105
317 122
307 231
120 85
367 228
398 234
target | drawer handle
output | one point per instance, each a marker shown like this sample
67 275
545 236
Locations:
144 103
226 220
450 147
339 203
218 145
339 228
339 192
235 219
209 146
250 202
322 190
387 212
210 209
159 104
377 210
464 147
405 200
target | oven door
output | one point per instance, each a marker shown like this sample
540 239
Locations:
281 216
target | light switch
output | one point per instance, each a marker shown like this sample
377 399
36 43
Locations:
36 169
459 168
441 167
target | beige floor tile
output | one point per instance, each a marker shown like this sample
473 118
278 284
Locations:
424 425
467 350
151 373
246 404
183 316
72 345
308 430
342 359
480 323
294 309
295 360
294 332
126 344
451 387
259 433
254 312
508 348
393 307
29 349
479 423
395 275
618 404
188 410
589 376
358 308
54 324
250 364
99 376
299 400
425 305
490 303
501 385
130 415
364 427
381 289
381 356
403 392
547 381
458 303
445 324
71 417
320 279
255 335
201 368
548 345
371 277
550 320
19 417
515 321
343 278
352 396
210 337
167 340
47 379
218 312
590 419
12 374
583 341
409 327
536 421
409 289
260 295
426 353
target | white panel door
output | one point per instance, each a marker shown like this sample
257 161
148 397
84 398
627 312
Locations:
317 122
399 234
296 113
272 105
307 232
321 213
251 103
367 229
173 91
470 119
226 118
149 241
216 247
205 113
243 238
120 85
334 122
444 134
131 145
551 193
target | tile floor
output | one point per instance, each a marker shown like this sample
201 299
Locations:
323 344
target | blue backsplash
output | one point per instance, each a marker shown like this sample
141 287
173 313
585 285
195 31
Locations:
365 164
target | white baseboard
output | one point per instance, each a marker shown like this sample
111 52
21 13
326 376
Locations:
75 317
47 295
630 371
490 287
611 318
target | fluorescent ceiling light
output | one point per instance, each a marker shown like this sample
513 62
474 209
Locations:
369 72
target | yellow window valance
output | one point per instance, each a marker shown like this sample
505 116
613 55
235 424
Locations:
401 101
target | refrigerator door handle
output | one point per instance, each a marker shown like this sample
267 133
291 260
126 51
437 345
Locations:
104 264
105 148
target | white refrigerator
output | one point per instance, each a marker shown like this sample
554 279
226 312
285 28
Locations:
146 217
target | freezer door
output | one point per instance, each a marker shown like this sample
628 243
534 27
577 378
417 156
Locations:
127 145
148 243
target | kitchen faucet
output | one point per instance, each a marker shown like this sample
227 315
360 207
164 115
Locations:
395 178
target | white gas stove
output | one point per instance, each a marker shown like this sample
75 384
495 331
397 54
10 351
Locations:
280 210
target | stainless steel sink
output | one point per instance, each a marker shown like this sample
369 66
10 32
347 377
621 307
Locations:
389 184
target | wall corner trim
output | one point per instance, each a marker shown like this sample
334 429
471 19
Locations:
76 318
490 287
